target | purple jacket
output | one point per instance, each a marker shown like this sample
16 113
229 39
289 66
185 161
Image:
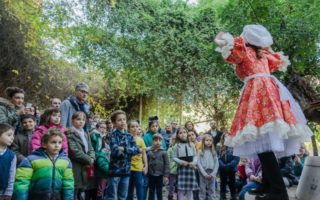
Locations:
253 167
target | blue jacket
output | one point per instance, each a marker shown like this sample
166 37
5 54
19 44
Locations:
227 161
120 161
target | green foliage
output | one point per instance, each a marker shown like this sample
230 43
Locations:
161 50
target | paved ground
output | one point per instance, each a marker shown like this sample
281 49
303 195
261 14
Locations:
291 192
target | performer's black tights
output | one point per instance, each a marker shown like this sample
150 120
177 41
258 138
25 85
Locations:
271 174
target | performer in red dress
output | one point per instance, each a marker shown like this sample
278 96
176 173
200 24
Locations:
268 121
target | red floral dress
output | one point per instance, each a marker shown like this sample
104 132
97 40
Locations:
263 120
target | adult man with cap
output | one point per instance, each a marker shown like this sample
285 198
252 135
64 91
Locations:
75 103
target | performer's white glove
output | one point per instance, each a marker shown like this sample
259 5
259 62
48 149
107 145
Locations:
219 41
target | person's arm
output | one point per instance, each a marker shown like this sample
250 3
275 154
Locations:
3 115
249 170
222 165
91 151
65 145
132 149
77 154
16 149
68 182
12 174
144 159
36 139
64 109
166 164
233 50
277 61
201 169
216 166
102 161
234 162
23 179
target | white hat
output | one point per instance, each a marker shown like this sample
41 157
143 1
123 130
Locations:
257 35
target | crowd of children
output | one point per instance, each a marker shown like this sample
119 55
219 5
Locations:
117 160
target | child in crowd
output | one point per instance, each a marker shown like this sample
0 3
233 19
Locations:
49 119
123 147
46 173
98 182
158 168
299 159
168 134
254 173
102 167
208 165
22 142
97 134
81 152
227 168
109 126
139 164
153 129
241 177
8 161
190 127
173 169
192 138
185 155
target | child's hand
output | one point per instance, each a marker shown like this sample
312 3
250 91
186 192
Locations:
218 39
191 165
185 164
145 170
165 180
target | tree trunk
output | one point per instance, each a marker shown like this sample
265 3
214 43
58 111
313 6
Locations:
140 108
314 146
309 100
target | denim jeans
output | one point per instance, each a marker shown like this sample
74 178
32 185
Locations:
145 186
136 181
117 188
246 188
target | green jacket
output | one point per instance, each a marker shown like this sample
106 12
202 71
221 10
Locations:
39 177
102 162
79 158
96 140
8 112
102 154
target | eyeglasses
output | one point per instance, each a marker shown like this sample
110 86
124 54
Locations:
85 92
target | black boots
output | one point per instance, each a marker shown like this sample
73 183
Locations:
283 196
272 178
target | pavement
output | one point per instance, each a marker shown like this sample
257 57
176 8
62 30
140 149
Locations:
291 193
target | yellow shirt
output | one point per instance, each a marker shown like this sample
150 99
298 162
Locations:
136 161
